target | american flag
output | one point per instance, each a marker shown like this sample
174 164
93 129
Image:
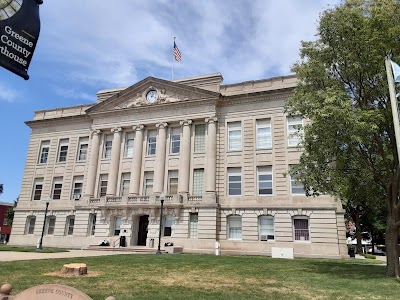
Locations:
177 53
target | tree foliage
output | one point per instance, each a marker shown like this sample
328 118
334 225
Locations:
349 143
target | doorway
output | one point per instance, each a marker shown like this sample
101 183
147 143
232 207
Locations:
142 233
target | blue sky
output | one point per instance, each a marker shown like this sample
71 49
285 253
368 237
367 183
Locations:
92 45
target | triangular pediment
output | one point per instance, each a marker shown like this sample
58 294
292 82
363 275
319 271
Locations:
161 92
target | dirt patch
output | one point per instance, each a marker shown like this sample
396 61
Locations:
59 274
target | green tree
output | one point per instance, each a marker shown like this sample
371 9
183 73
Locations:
349 143
10 213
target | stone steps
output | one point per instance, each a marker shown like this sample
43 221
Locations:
136 249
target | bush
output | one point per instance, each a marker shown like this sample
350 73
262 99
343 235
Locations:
369 256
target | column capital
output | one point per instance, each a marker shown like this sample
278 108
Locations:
138 127
162 125
116 129
185 122
212 119
95 132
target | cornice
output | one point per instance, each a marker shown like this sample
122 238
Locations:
60 120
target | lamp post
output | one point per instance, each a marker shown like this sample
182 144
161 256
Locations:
162 196
39 247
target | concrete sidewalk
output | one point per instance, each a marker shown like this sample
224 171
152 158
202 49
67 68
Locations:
14 256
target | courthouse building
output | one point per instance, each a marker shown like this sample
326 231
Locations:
217 154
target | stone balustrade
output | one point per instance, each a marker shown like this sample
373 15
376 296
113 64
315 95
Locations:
138 200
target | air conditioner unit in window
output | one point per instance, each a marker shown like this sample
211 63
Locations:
263 237
77 196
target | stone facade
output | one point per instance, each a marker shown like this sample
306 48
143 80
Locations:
216 153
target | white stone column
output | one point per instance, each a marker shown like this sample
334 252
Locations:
211 155
137 160
93 162
114 164
159 165
184 158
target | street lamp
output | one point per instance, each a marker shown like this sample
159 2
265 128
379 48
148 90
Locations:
162 196
39 247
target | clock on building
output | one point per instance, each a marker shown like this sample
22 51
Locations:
152 96
8 8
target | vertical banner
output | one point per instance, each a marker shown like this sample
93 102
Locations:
19 33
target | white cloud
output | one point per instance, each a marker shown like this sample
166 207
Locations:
8 94
71 93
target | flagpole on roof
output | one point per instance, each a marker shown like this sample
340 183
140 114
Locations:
393 102
173 56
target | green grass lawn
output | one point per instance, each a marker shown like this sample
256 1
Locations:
210 277
31 249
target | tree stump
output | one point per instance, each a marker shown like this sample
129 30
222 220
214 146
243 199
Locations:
74 269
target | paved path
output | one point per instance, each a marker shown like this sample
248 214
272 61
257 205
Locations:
13 255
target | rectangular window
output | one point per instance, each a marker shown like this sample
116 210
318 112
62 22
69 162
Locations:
148 183
117 225
83 148
30 225
103 185
235 136
296 187
129 139
265 182
57 188
193 228
198 182
77 187
266 228
51 223
169 220
92 224
172 182
234 181
264 139
44 152
125 182
151 142
70 225
301 230
37 188
199 138
63 150
107 146
234 227
175 140
5 222
295 130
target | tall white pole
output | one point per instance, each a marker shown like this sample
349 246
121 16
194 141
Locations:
393 102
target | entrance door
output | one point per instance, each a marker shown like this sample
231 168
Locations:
142 233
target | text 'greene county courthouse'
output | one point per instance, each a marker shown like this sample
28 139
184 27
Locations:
219 153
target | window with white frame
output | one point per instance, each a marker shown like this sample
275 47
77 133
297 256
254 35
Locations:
235 136
103 182
107 146
234 227
77 186
148 183
63 150
151 142
198 182
295 130
69 230
30 225
129 140
92 224
193 225
51 223
266 228
44 152
5 222
125 182
175 141
264 138
169 220
57 188
83 148
199 138
37 188
265 180
234 181
296 187
172 182
301 229
117 225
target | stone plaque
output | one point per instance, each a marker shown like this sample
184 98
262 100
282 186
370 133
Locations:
52 292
